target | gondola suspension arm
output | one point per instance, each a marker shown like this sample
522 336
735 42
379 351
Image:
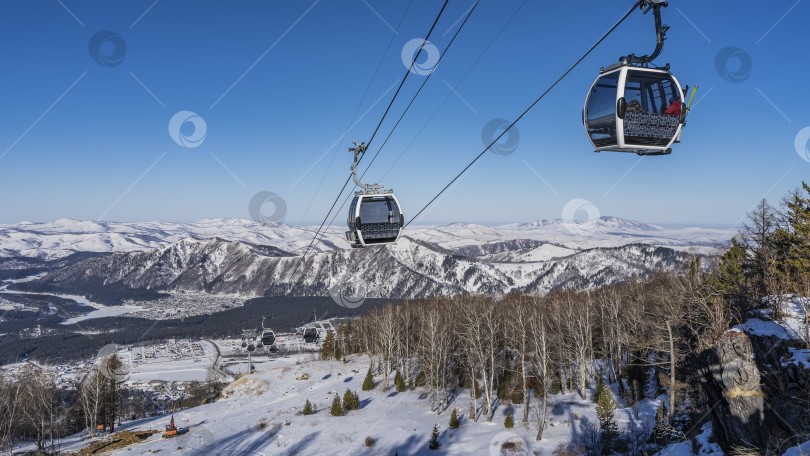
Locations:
361 150
660 32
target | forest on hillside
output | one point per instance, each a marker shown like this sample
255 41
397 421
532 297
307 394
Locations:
649 336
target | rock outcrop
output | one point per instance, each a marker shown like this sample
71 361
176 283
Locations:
731 381
758 395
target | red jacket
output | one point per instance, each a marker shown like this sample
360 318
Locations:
674 108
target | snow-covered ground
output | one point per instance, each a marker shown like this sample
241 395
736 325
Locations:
260 415
686 448
791 326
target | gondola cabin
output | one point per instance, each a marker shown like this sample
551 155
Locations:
311 335
634 109
374 219
268 337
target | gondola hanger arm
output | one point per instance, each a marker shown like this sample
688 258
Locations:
660 32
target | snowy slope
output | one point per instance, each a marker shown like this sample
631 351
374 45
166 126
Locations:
261 416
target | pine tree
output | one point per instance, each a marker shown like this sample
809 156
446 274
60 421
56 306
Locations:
509 421
351 401
600 383
368 383
399 381
605 406
477 391
337 408
454 422
434 443
556 386
328 347
795 243
308 408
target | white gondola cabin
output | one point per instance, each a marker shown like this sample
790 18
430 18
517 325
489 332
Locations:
374 219
634 109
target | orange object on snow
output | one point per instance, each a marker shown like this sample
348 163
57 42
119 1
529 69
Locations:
171 430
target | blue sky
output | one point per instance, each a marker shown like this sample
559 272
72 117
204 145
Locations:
278 82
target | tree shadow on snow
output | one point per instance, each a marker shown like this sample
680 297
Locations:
507 410
413 446
347 379
393 393
365 402
303 443
561 407
326 376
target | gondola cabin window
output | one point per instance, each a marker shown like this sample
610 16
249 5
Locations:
601 111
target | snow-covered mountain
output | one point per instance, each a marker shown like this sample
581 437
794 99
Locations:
410 269
240 257
63 237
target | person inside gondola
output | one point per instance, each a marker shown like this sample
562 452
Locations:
674 108
634 106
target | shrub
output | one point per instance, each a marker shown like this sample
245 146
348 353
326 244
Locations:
454 422
351 401
368 383
308 408
434 443
399 381
337 408
509 422
556 386
370 441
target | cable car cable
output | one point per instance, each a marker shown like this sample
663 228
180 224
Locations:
420 88
506 130
430 119
413 62
357 110
469 13
331 222
640 2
